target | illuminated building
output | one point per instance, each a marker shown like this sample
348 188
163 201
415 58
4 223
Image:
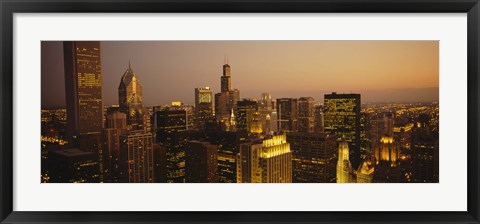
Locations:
314 157
267 116
365 141
342 118
226 100
226 167
137 157
83 90
319 124
344 167
246 110
266 101
265 161
403 135
130 99
116 125
287 114
256 125
174 144
172 125
203 107
388 168
200 162
387 151
73 166
366 171
232 124
306 115
380 126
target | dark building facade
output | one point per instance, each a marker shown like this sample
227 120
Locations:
246 110
73 166
200 162
425 153
314 157
83 90
159 164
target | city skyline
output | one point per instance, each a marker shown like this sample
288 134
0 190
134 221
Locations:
398 71
226 137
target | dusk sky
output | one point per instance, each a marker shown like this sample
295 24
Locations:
394 71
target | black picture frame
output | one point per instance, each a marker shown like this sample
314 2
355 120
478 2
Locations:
9 7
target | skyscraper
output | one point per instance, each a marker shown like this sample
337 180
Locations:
267 113
306 115
116 125
366 170
200 162
342 118
226 100
172 125
314 157
381 126
265 161
73 166
246 110
203 107
175 118
319 124
345 170
425 146
130 99
287 114
83 91
137 150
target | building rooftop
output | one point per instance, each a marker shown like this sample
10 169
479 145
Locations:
71 152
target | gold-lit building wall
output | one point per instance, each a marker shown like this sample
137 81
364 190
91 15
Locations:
256 125
387 151
344 167
83 91
130 96
365 172
342 118
203 107
268 161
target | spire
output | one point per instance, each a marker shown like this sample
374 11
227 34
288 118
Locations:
129 64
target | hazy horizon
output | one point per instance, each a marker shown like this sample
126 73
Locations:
381 71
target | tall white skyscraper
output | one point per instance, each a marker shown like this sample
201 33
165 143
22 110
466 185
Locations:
344 167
